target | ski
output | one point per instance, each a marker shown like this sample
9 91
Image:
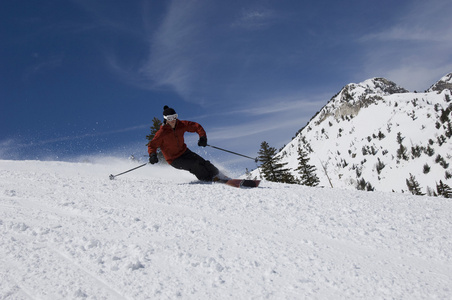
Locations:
241 183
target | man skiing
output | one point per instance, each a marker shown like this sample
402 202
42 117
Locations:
170 139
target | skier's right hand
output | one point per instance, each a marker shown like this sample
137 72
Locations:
153 159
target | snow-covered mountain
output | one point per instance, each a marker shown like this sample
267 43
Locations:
443 84
377 135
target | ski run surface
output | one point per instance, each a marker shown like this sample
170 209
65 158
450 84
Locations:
68 232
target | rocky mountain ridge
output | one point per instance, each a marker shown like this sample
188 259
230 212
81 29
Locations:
376 135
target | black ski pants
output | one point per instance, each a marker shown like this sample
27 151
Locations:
203 169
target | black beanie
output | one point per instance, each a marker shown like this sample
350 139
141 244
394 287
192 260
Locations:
167 111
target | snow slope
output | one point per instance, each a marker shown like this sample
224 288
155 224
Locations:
68 232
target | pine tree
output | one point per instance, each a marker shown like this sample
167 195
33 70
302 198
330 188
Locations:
429 151
369 187
426 169
449 129
443 190
272 168
364 185
156 124
361 185
379 166
307 171
416 151
413 186
287 177
402 151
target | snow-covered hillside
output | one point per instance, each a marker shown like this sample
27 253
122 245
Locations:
68 232
357 135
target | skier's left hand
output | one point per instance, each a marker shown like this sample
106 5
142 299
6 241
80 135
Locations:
153 159
202 141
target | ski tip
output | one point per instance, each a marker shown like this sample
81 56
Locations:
242 183
249 183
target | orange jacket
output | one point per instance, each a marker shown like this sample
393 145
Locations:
171 141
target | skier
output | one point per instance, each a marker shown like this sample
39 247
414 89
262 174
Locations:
170 139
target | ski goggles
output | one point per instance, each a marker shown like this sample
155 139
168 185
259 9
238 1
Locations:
171 117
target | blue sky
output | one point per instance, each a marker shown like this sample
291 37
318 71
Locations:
85 77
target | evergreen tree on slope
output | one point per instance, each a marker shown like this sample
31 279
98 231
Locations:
272 168
156 124
307 171
413 186
444 190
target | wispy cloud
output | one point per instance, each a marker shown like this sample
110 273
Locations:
254 19
273 120
281 106
422 22
175 54
246 137
185 55
407 33
295 104
42 66
258 128
415 50
10 144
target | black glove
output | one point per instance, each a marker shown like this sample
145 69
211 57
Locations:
202 141
153 159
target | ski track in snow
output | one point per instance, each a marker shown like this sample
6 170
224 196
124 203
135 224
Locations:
68 232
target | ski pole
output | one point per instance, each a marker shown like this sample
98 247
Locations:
113 176
255 159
